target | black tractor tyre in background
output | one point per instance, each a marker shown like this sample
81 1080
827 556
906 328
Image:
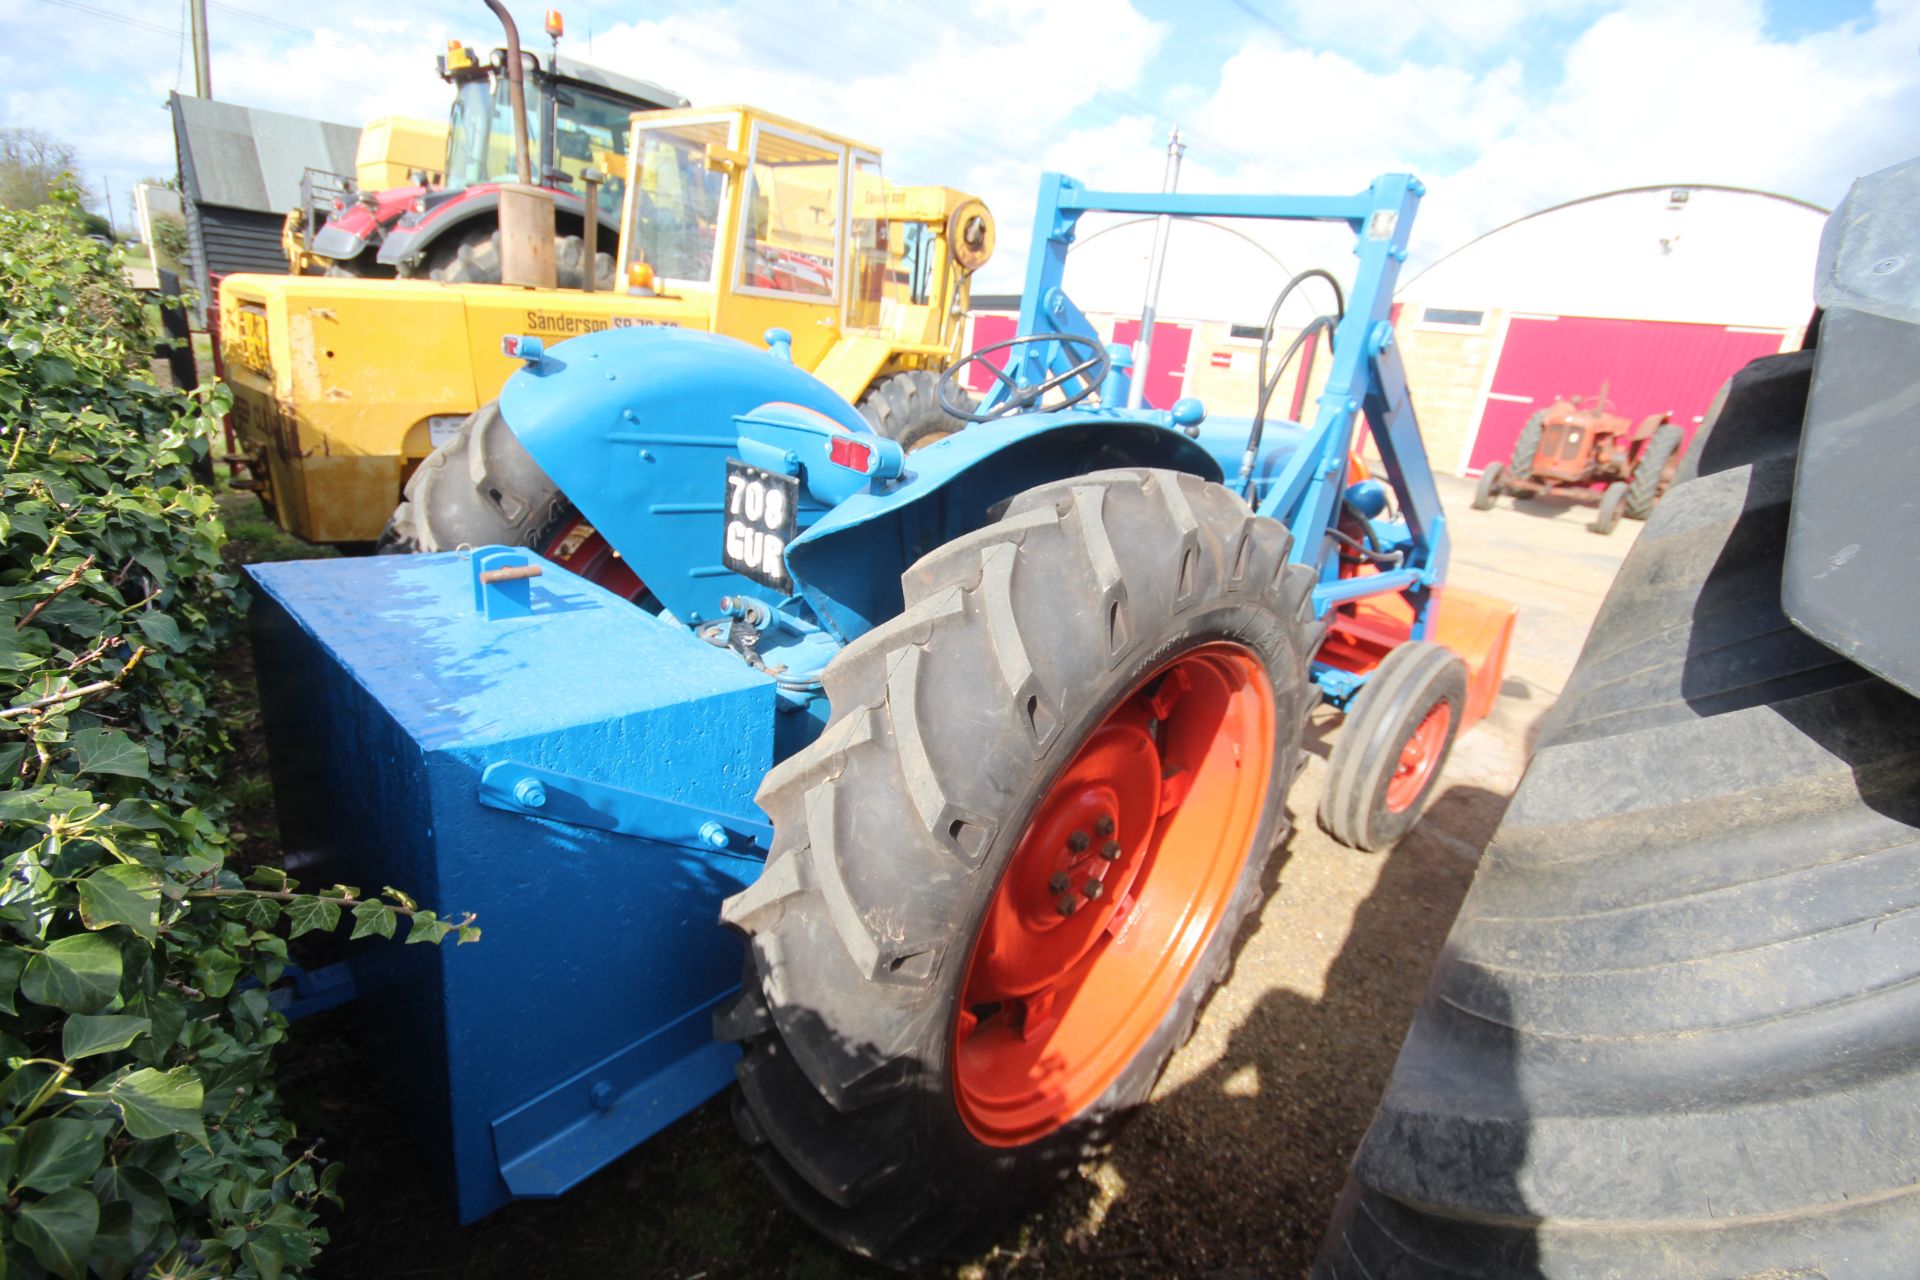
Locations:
1359 806
1525 445
475 259
905 408
1675 1030
481 488
1649 479
1607 517
1488 489
948 725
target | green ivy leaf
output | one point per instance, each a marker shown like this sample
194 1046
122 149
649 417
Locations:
427 927
109 751
80 974
122 894
157 1103
59 1229
13 962
371 917
56 1154
88 1034
263 1251
215 972
307 913
137 1188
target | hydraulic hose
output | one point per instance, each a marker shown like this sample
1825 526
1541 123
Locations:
1273 313
1267 389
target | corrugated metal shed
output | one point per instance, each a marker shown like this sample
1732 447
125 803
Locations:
240 171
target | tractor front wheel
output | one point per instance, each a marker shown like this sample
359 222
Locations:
1488 488
1607 518
1017 859
1389 753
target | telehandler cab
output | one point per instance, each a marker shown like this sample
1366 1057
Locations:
735 221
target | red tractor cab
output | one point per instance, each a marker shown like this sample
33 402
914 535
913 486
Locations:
576 119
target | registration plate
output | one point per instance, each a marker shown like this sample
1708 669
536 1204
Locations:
760 524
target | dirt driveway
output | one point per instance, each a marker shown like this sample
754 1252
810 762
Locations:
1233 1169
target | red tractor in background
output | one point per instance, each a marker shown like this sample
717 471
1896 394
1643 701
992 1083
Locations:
1577 446
577 120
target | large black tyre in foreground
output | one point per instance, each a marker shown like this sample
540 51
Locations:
1016 861
1676 1028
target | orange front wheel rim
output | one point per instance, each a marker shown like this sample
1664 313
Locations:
1419 758
1122 876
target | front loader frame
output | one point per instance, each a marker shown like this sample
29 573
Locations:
1366 378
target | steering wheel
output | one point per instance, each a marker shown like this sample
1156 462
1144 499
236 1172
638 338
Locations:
1091 372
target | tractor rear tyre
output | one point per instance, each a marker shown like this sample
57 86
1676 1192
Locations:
1018 857
1674 1030
1389 753
1525 445
1607 518
905 408
475 259
481 488
1488 489
1650 475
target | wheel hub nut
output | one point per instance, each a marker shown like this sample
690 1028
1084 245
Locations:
1059 882
1104 827
1093 889
1111 851
1078 841
1067 904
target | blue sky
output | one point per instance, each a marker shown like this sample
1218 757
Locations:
1503 106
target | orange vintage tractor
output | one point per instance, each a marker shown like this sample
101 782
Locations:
1576 447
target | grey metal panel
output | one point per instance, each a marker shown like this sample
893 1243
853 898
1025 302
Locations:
246 159
1854 540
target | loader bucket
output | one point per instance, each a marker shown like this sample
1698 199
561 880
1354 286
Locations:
1478 628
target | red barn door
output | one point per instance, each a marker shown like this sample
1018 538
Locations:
1647 366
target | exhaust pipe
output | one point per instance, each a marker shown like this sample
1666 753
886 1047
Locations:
516 93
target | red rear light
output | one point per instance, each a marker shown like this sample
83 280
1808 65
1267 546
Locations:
854 455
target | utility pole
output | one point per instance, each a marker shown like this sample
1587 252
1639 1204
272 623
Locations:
1162 228
202 75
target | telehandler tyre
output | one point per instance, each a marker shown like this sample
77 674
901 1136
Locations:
1017 859
482 489
905 408
1675 1031
1389 753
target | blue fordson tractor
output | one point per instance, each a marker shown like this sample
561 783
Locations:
981 749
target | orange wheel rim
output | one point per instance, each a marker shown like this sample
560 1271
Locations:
1419 758
1121 877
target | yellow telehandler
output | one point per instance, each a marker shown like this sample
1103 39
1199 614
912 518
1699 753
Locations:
735 220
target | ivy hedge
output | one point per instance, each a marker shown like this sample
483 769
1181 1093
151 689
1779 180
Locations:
141 1133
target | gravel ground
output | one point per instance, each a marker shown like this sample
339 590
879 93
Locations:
1231 1171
